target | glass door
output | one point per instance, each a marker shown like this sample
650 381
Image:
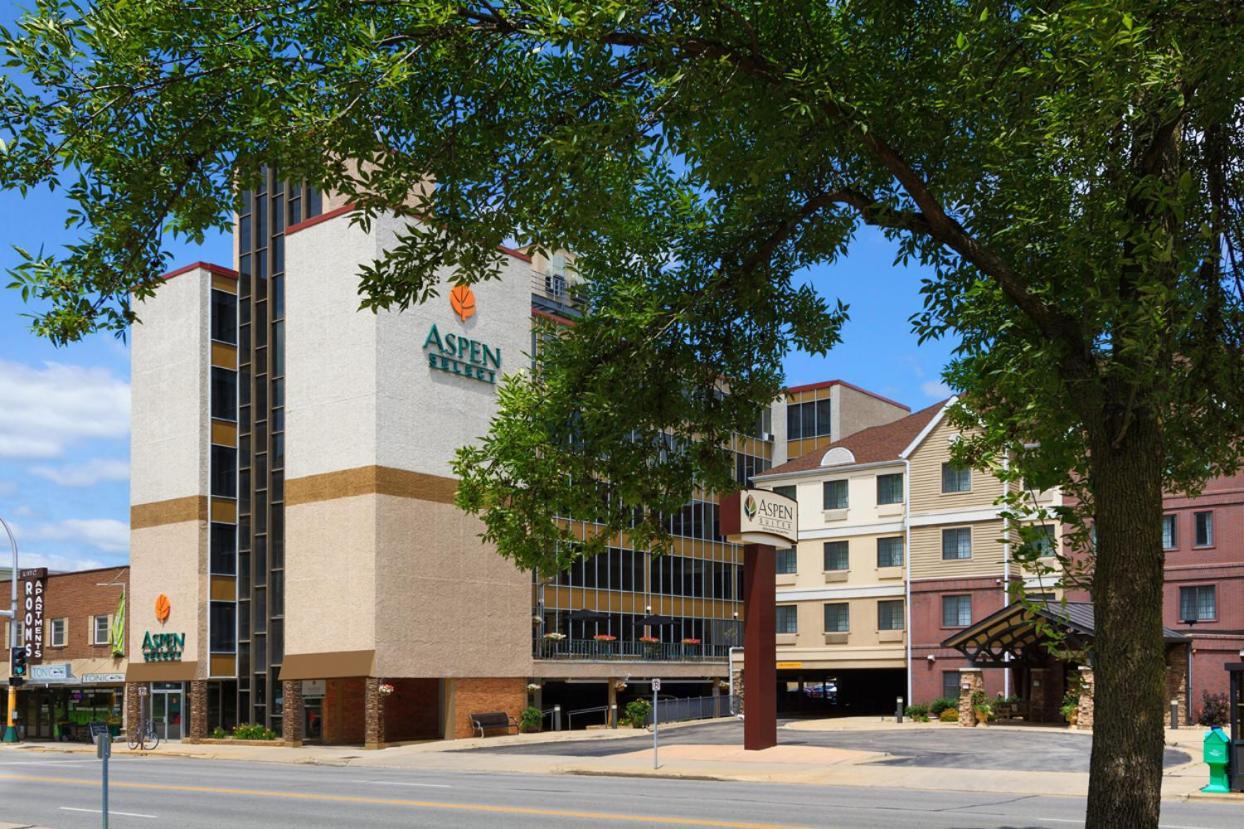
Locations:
166 709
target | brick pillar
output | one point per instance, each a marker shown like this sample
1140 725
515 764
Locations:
198 710
738 687
1038 694
1084 718
1177 680
373 709
970 681
133 716
292 716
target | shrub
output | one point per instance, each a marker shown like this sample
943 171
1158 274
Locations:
636 713
219 733
251 731
919 713
949 715
530 720
937 706
1214 709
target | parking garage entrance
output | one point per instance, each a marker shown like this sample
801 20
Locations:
839 692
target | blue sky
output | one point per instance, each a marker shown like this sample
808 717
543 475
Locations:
64 413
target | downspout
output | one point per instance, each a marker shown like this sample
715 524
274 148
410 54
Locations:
907 568
1006 579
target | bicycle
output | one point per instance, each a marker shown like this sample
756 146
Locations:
144 737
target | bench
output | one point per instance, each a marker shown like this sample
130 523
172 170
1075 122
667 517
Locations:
493 720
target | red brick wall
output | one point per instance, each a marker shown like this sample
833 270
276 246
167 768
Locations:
927 632
344 711
412 711
481 695
77 597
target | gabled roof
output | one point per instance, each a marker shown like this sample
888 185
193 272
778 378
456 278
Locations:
872 445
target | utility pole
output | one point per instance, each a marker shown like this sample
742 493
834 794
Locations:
10 728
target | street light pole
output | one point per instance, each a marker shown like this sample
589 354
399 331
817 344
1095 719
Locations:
10 729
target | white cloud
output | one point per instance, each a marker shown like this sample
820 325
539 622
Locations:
46 409
84 474
62 564
106 534
935 389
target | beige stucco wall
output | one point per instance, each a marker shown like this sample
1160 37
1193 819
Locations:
865 645
170 559
853 410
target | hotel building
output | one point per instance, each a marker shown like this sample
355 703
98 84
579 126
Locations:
295 546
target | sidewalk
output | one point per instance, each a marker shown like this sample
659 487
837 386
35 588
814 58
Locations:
792 764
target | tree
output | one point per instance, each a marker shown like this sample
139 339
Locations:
1068 172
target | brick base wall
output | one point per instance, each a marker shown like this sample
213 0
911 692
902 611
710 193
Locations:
343 711
412 712
293 714
480 695
198 710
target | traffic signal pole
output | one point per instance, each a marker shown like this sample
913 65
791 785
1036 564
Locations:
10 728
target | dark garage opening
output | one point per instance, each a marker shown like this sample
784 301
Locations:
810 692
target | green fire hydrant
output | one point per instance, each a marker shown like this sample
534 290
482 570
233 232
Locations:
1215 756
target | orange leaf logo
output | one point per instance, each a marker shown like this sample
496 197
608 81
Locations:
462 300
162 608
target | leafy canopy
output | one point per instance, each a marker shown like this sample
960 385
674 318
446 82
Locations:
1068 172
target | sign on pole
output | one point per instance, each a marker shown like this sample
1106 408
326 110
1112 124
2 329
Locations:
31 601
656 686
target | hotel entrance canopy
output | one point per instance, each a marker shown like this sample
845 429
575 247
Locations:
1019 633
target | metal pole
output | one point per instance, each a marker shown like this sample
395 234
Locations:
898 711
10 729
1174 713
656 686
106 749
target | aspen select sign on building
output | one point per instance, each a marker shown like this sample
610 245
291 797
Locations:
758 516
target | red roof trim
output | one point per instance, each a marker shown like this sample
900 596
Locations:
517 254
218 270
315 220
537 312
824 384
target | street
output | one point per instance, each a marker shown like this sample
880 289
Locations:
63 792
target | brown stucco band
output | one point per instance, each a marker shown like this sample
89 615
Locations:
173 511
370 480
160 671
331 665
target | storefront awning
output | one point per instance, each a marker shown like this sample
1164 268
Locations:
328 665
1020 631
161 671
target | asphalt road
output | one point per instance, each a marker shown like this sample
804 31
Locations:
148 792
955 748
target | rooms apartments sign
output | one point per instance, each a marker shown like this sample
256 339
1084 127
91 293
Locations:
459 354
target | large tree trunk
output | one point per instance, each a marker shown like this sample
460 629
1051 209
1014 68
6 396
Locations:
1125 784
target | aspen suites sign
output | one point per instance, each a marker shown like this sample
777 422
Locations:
457 353
758 516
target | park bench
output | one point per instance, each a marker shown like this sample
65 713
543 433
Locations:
493 720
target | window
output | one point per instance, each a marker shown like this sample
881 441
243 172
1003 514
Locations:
1169 532
786 560
950 684
787 618
808 420
224 627
837 555
224 317
1045 541
224 394
835 494
956 543
1204 529
837 617
59 632
100 630
1198 604
223 550
956 478
890 615
786 491
956 611
224 471
890 488
890 551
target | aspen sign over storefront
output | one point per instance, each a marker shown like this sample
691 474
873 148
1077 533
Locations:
458 354
758 516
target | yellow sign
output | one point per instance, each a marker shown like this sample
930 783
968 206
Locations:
786 666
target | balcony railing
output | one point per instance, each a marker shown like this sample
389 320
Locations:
592 650
559 291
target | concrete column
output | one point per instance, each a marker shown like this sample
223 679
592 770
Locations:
1084 718
760 646
1177 680
373 726
970 681
293 715
612 702
133 715
717 712
198 710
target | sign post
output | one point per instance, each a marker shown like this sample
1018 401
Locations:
656 686
103 750
759 520
10 728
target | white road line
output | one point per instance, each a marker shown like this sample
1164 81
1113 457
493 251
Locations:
404 783
110 812
1057 820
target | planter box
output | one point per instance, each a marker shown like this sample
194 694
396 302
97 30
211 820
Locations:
229 741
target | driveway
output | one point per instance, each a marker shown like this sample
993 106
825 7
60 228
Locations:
938 747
